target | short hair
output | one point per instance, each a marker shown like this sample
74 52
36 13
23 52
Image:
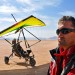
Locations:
67 18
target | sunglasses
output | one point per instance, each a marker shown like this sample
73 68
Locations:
64 31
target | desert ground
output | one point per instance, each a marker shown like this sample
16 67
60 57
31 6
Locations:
17 66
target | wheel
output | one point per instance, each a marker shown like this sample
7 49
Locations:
32 62
6 60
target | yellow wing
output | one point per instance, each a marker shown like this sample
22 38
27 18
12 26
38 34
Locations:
27 22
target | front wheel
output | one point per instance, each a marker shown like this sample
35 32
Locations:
32 62
6 60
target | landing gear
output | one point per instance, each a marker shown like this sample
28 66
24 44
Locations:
32 62
6 60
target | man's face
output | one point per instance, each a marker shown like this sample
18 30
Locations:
66 40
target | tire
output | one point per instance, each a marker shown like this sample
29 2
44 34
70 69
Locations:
6 60
32 62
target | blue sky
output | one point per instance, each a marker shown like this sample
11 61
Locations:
48 11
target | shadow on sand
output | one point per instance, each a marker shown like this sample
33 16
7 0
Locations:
37 70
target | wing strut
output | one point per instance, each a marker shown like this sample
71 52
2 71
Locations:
34 36
26 43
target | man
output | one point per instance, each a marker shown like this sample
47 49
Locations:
18 50
63 57
15 48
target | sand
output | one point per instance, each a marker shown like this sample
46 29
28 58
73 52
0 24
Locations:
17 66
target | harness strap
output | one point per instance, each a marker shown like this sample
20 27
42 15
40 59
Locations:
69 65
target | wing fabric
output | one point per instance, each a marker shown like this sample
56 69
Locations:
31 21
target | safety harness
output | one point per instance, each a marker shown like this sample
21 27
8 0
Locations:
69 65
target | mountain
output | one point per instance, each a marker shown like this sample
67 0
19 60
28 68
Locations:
53 38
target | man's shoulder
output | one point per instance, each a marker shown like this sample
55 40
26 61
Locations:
55 50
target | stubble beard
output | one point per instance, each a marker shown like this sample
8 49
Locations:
62 43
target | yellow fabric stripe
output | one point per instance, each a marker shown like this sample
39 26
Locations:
28 22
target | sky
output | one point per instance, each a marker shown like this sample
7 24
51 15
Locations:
49 11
